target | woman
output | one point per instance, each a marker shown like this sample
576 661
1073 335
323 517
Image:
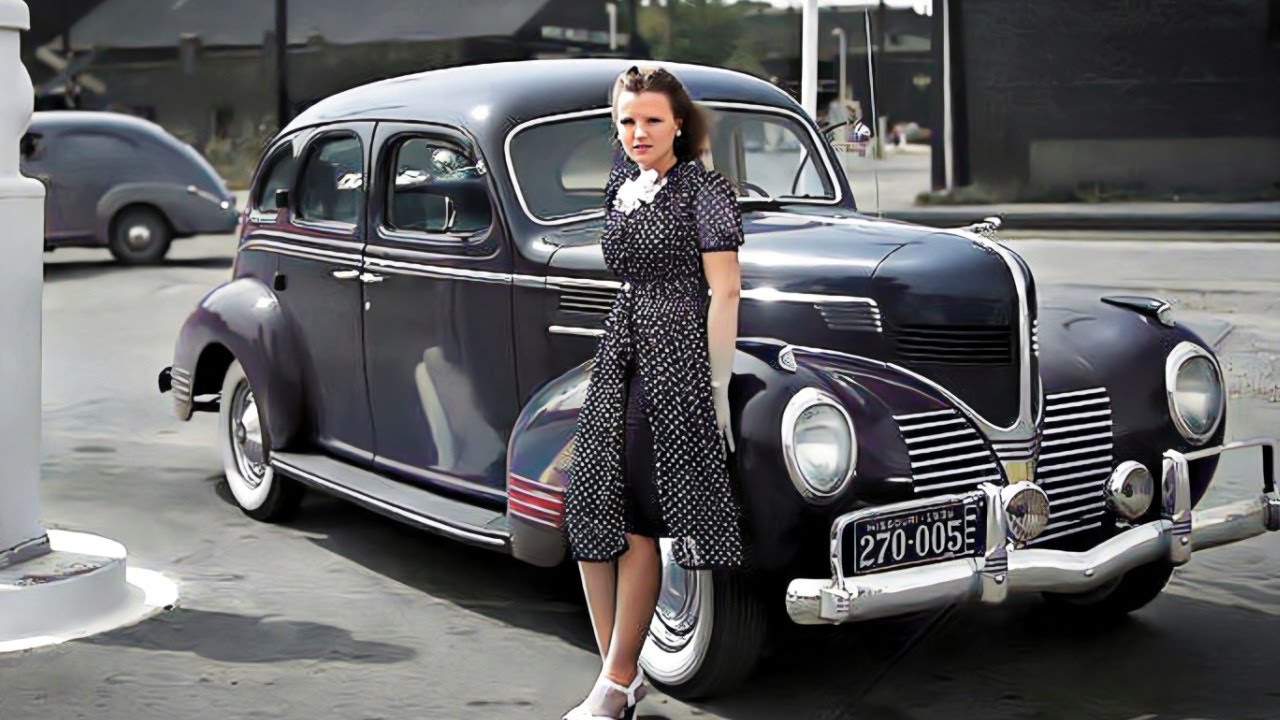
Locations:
650 452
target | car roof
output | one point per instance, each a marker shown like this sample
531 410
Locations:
62 119
505 94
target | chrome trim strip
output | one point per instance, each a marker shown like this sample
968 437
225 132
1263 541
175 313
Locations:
441 479
570 330
436 271
956 471
1069 428
916 416
1075 393
938 423
768 109
535 483
348 245
528 508
413 517
304 253
529 518
768 294
535 494
923 438
557 282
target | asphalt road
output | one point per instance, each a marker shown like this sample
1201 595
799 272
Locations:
347 615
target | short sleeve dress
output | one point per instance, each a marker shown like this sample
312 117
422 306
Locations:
657 329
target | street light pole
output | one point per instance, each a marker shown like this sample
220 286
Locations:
842 91
282 68
809 58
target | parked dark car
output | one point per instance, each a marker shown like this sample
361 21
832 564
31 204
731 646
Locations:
121 182
417 296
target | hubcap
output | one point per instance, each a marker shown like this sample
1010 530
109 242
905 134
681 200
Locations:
139 236
246 436
676 615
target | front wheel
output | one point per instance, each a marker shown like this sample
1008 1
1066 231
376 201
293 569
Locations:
707 632
1131 591
261 493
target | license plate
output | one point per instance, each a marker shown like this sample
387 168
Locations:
916 536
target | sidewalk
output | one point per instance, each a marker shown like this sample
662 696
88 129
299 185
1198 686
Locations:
901 177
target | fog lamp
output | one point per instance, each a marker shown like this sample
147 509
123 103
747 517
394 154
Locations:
1027 508
1130 490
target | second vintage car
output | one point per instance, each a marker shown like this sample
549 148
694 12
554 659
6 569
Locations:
417 295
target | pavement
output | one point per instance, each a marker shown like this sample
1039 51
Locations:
345 614
889 187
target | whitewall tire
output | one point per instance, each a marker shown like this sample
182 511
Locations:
245 448
707 633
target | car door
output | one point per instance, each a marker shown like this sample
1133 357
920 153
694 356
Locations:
438 343
317 281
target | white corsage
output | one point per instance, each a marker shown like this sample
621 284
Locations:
640 190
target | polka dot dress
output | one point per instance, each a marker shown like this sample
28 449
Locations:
659 323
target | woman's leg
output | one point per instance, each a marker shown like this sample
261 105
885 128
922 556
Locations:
599 584
639 580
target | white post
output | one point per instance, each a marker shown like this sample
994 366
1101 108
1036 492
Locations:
21 284
84 584
843 91
809 58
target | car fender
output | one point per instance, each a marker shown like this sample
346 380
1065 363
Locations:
242 319
778 518
187 212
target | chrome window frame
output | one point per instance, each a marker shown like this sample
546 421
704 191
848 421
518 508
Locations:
744 107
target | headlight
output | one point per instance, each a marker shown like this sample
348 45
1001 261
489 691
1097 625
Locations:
1194 385
819 445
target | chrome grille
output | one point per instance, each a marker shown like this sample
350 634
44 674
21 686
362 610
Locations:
1075 460
955 344
947 453
851 316
587 299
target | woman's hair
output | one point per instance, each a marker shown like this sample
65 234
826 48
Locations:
693 124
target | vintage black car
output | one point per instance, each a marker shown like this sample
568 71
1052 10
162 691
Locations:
417 296
121 182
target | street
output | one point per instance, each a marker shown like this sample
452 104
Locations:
345 614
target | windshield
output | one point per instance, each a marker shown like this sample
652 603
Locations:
560 167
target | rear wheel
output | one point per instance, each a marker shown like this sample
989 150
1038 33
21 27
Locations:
139 236
707 632
1131 591
261 493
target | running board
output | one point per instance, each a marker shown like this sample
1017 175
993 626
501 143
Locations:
401 501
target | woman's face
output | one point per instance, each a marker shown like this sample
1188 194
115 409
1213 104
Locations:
646 127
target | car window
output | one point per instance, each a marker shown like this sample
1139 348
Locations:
436 188
277 176
332 183
561 167
84 149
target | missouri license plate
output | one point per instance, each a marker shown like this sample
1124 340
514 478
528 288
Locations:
917 536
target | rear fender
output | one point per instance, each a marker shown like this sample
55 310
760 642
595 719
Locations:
242 319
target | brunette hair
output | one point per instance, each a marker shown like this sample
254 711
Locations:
693 124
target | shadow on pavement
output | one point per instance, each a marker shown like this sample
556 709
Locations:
227 637
77 269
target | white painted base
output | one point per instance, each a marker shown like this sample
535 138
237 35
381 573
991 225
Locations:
81 588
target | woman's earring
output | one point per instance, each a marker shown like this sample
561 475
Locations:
678 132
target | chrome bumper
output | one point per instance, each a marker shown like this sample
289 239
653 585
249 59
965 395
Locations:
1006 569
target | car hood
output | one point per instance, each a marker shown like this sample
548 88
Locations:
785 251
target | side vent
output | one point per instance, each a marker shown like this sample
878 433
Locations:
587 299
863 317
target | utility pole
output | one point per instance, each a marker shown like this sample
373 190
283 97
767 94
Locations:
282 64
809 58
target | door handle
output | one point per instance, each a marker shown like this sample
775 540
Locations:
345 274
371 278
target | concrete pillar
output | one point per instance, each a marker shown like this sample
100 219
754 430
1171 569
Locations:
21 281
58 585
